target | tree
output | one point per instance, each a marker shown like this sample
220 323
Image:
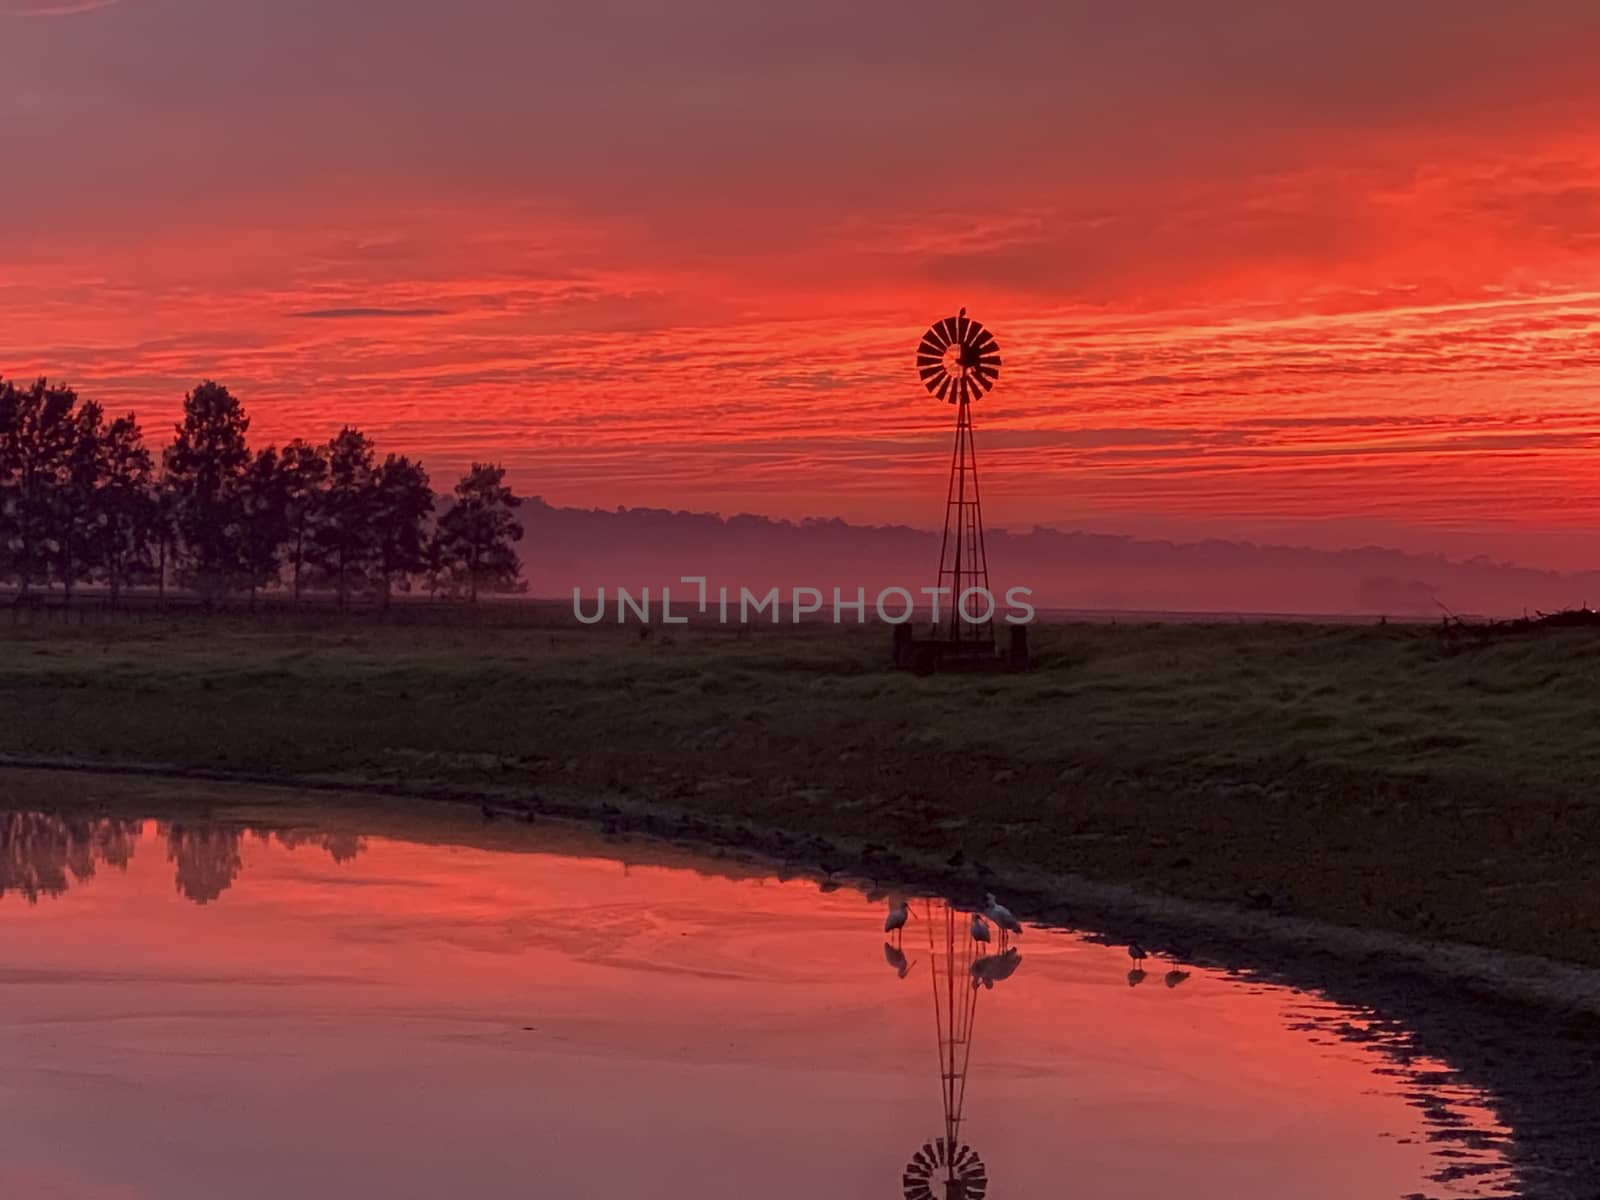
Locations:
126 506
436 566
166 532
36 434
263 523
402 504
74 511
478 533
304 468
205 468
343 544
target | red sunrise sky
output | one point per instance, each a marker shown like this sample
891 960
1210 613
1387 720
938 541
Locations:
1320 272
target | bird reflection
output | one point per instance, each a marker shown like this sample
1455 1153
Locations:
896 958
990 969
961 969
1174 976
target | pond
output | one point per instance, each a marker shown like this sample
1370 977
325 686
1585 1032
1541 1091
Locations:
316 1002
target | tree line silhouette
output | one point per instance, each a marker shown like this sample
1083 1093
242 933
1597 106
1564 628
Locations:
84 500
43 855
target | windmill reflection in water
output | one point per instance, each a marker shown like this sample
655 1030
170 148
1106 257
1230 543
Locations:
961 969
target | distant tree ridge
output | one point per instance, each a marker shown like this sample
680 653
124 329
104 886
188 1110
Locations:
85 500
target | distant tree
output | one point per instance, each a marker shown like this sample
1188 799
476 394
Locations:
205 469
10 406
166 532
402 504
127 507
343 541
37 432
74 509
436 574
477 535
263 519
305 475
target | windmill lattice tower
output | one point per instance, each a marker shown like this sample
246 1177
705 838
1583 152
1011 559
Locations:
946 1168
959 361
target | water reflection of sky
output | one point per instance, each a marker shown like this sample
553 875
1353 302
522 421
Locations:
354 1016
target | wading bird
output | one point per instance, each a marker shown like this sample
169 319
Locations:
1137 953
980 929
1001 916
895 922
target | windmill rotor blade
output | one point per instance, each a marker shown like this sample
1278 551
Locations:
977 353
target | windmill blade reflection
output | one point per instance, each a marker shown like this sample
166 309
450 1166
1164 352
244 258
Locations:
960 969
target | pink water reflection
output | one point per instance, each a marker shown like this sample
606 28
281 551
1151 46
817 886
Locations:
429 1020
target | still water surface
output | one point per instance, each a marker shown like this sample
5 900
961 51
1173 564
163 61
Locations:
197 1010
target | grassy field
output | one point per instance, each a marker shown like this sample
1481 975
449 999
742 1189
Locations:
1367 775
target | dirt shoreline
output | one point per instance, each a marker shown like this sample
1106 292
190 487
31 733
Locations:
1524 1030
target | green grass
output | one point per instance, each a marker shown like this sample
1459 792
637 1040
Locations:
1372 776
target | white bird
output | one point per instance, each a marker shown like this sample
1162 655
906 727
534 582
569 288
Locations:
1001 916
899 914
980 929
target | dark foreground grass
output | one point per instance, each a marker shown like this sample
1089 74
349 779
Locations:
1372 776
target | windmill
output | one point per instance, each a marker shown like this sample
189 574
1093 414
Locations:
959 361
946 1168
